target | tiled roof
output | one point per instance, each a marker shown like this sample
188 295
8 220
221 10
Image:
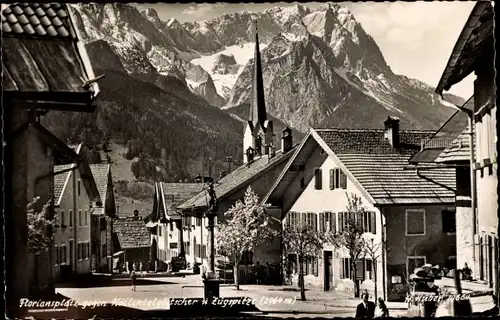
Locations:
47 20
131 233
100 171
60 181
380 168
457 151
237 178
177 193
40 52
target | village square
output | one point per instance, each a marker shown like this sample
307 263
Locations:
237 207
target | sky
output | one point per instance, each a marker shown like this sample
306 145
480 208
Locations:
416 38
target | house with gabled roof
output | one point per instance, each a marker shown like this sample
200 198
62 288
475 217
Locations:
44 67
167 232
132 240
405 208
102 219
75 197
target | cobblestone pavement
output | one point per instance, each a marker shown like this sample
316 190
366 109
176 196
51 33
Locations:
153 294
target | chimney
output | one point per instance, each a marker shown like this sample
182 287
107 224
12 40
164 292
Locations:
392 131
286 140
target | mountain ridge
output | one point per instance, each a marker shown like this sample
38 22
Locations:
321 69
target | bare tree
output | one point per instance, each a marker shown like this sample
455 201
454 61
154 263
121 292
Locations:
351 236
374 250
304 241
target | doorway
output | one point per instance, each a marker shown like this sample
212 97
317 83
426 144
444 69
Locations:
328 270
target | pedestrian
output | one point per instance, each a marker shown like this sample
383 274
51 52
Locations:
133 277
134 266
381 310
140 269
366 309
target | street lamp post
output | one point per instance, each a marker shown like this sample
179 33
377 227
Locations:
229 160
211 285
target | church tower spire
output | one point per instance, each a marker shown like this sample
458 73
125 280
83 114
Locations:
258 109
258 134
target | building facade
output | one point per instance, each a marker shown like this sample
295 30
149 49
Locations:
403 209
475 54
102 219
76 196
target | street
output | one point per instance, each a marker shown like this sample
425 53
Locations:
153 294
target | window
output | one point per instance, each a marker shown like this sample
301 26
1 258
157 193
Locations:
63 223
448 218
369 222
79 218
71 248
292 219
318 183
70 218
327 222
338 180
344 218
173 245
159 230
345 268
104 251
415 222
311 220
79 251
63 254
198 222
413 262
86 218
310 265
171 226
57 254
302 183
79 188
87 245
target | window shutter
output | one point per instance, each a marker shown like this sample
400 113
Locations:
322 221
318 179
343 180
332 179
315 221
333 222
359 219
341 221
373 223
304 220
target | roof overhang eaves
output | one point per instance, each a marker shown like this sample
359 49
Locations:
445 83
287 167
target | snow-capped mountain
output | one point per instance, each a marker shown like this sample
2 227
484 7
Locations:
320 67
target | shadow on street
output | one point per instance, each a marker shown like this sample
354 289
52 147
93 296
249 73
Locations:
107 281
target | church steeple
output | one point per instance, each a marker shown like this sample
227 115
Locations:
258 109
258 134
